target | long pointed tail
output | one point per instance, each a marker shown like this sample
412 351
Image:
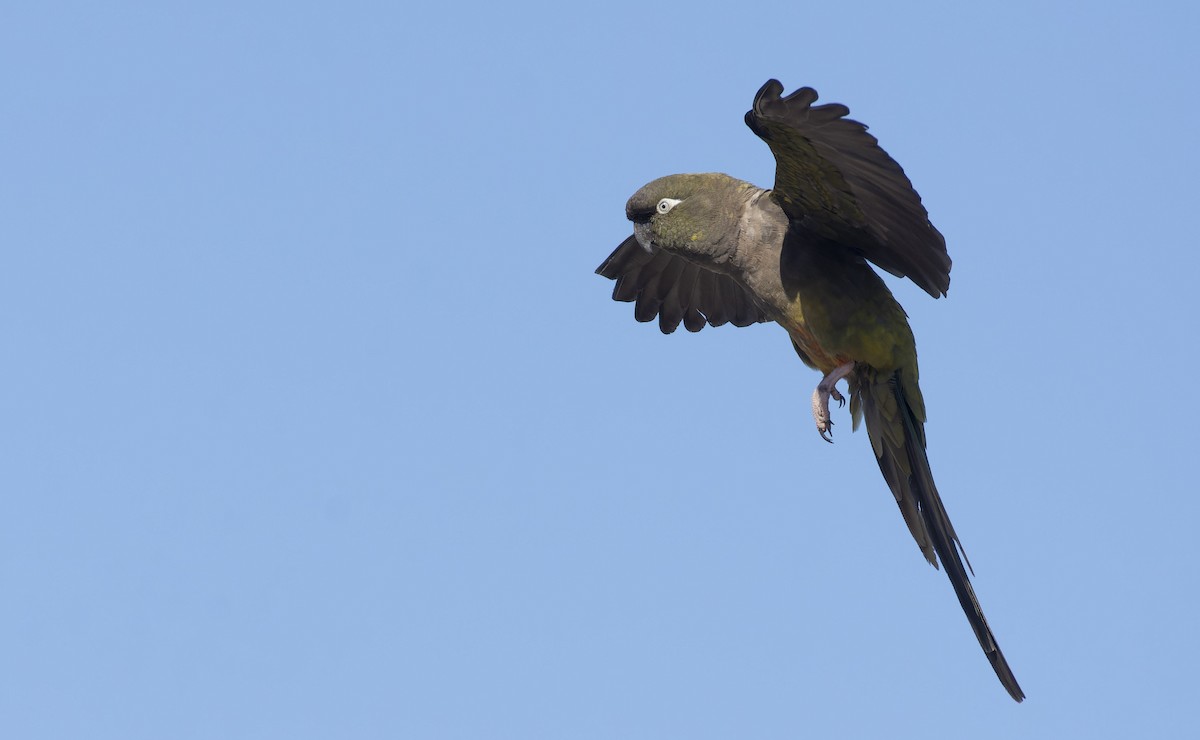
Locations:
898 438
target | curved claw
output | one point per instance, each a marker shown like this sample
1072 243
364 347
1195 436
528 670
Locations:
826 390
827 432
837 396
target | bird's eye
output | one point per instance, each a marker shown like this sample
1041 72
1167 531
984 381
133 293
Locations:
666 204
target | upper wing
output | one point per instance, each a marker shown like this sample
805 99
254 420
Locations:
833 179
676 290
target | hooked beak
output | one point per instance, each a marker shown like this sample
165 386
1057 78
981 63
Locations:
641 231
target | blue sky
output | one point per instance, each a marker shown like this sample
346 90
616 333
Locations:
316 422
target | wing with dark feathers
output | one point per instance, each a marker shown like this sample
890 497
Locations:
833 179
676 290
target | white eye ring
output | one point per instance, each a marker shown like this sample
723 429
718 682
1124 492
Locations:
666 204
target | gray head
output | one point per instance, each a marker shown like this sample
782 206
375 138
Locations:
694 216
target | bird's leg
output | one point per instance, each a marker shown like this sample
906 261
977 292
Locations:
827 389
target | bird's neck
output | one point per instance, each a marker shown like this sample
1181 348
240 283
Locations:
754 260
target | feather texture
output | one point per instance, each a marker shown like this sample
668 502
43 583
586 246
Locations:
898 438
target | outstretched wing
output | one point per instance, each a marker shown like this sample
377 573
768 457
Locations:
833 180
676 290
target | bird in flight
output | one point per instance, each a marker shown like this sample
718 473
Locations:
711 249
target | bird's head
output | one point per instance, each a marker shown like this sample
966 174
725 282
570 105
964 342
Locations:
694 216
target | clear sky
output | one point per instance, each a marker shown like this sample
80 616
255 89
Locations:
315 421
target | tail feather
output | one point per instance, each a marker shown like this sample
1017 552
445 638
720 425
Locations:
898 438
